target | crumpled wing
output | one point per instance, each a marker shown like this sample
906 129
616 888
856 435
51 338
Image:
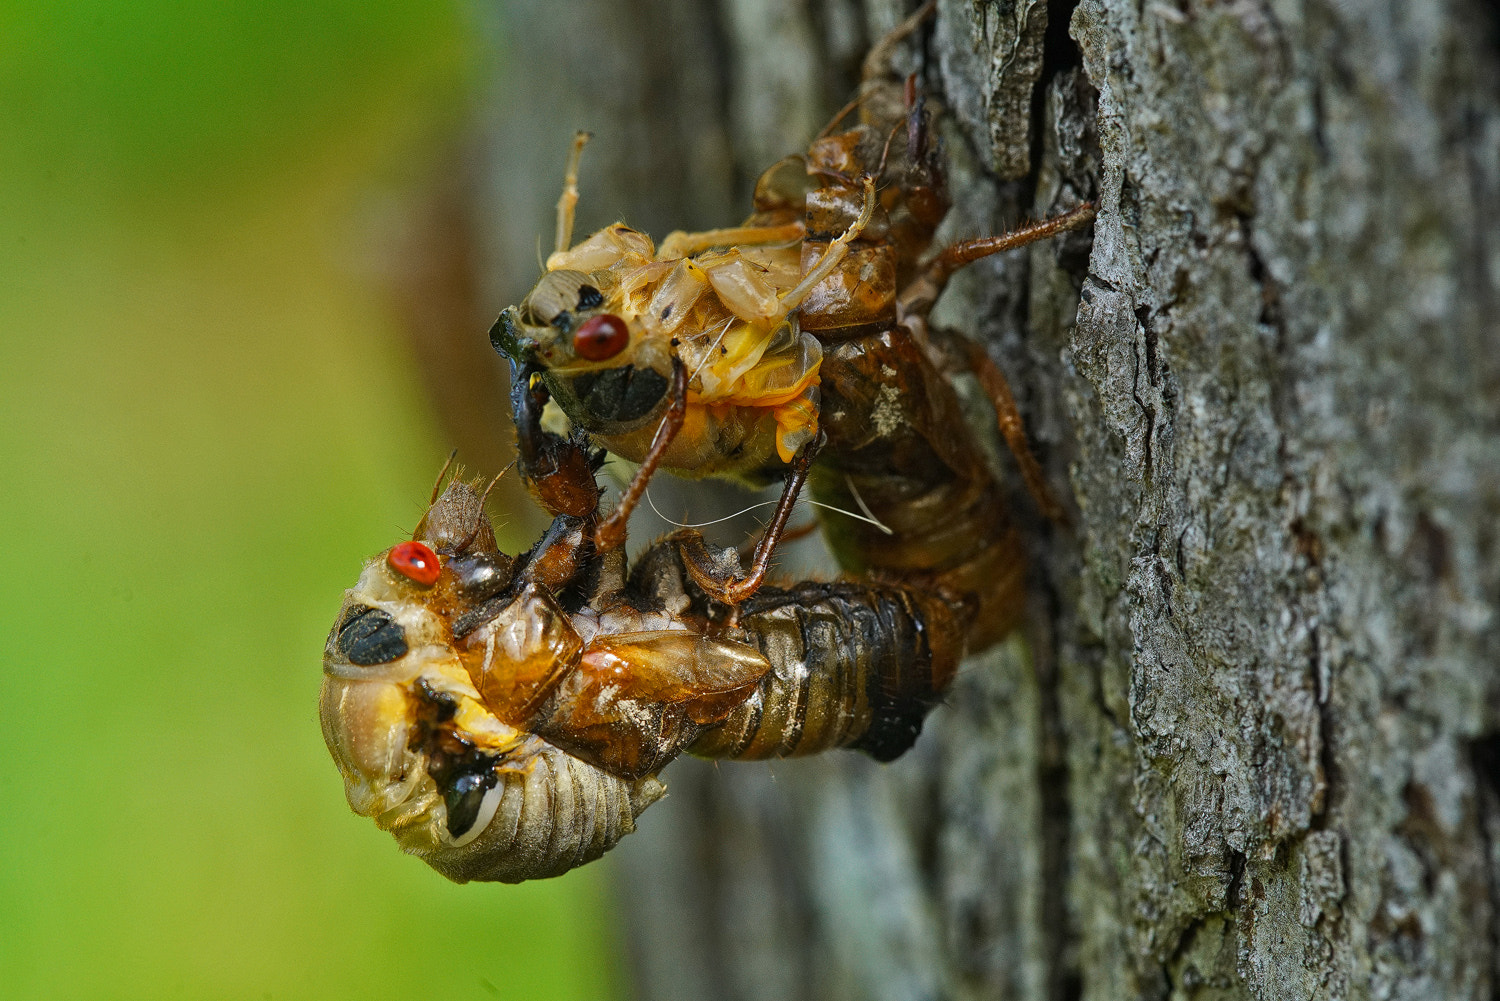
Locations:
637 699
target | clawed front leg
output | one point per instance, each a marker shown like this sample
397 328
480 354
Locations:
721 581
610 532
558 472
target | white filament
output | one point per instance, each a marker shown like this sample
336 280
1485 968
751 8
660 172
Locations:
866 517
487 808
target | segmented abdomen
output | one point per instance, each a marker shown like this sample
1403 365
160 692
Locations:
852 665
554 816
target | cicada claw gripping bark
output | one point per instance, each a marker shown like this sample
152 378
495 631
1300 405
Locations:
809 319
506 717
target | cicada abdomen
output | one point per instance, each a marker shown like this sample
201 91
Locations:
853 665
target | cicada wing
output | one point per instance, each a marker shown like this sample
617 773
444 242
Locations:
673 300
610 246
745 288
518 656
703 676
637 699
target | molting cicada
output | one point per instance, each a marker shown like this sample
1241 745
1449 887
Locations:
506 717
745 351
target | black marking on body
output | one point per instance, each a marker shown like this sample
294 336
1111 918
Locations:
757 704
368 636
812 633
463 773
505 336
477 616
464 795
589 298
620 394
900 689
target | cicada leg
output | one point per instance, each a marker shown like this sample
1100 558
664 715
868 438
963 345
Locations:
610 533
568 201
1013 429
437 487
917 299
880 55
724 584
681 244
797 534
558 473
877 60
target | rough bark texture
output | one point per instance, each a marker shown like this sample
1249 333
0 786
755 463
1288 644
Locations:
1250 746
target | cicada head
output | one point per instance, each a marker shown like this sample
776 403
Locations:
420 750
606 370
400 715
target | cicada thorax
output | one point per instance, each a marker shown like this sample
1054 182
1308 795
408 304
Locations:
752 390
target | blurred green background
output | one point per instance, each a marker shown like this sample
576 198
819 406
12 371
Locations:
207 420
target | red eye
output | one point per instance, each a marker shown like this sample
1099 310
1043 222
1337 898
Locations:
600 337
415 562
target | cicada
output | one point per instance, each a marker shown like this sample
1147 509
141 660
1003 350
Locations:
737 352
506 717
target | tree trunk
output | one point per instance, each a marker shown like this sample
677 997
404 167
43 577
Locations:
1250 743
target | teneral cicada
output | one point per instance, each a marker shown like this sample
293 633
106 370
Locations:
506 717
736 351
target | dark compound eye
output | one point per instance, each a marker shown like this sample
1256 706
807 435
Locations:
415 562
368 636
601 337
589 298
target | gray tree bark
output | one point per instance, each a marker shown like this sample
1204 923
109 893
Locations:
1250 744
